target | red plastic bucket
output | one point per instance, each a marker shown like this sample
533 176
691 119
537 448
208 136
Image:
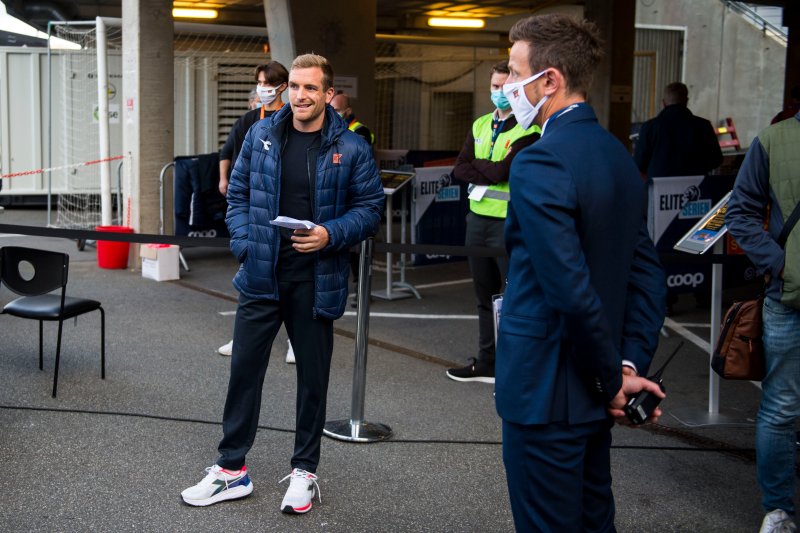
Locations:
113 254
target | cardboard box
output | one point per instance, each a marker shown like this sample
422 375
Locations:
160 261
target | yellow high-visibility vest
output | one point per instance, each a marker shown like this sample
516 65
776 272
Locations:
495 201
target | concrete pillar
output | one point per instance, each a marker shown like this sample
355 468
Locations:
612 91
791 19
280 31
342 31
147 71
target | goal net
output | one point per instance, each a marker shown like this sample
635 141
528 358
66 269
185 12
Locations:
213 76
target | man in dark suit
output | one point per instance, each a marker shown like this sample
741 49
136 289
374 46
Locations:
676 142
585 296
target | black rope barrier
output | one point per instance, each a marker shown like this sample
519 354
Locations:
667 258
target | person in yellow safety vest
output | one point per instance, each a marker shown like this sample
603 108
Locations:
341 104
484 163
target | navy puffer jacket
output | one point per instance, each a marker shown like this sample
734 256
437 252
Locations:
347 201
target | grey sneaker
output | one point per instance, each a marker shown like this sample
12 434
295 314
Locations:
302 488
778 521
219 485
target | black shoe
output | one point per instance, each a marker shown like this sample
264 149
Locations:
475 371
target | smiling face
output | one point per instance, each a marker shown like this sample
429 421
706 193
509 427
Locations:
308 97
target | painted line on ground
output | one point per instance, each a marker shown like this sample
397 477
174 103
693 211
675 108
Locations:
688 335
394 315
693 324
443 283
412 315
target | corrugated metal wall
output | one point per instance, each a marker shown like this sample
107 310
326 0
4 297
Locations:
658 61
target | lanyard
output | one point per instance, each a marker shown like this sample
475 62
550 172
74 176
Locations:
497 127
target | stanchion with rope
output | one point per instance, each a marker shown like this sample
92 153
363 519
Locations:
355 429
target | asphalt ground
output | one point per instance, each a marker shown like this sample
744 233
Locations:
114 454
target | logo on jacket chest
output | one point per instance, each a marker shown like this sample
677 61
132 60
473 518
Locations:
337 159
266 144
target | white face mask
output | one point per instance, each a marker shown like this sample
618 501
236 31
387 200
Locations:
266 95
520 105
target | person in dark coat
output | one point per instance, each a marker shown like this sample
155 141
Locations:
676 142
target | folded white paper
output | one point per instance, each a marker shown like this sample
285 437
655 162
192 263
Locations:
292 223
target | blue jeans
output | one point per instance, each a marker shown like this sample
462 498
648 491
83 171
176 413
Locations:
780 407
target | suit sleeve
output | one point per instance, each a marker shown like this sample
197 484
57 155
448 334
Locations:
645 304
238 215
547 210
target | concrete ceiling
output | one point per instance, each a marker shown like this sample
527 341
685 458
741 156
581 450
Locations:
392 14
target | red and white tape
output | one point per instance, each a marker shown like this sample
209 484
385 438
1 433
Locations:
62 167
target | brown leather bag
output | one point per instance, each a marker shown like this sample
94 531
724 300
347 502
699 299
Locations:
739 353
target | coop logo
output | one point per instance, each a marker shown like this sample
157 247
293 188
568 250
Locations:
444 191
689 203
685 280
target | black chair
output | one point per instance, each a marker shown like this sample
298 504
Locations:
33 274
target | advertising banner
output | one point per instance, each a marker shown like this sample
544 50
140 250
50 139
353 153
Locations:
676 205
438 211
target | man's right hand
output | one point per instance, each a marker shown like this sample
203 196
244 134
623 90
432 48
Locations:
632 384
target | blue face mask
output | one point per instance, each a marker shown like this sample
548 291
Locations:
499 100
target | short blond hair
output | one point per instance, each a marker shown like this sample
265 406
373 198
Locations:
314 60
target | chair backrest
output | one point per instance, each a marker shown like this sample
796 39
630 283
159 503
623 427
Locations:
50 270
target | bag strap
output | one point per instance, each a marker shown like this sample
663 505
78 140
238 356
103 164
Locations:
788 226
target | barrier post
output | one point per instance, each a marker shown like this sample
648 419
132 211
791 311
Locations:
356 429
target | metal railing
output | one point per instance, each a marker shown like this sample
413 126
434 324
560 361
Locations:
752 16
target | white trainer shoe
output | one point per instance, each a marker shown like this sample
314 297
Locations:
302 488
219 485
778 521
290 354
226 349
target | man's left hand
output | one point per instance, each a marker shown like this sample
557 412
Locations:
310 240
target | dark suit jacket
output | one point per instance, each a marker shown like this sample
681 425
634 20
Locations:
585 287
677 143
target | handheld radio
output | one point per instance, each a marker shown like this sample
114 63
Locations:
642 405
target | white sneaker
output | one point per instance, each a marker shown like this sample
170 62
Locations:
778 521
226 349
290 354
300 492
219 485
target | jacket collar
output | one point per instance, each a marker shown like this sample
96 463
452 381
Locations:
332 127
567 115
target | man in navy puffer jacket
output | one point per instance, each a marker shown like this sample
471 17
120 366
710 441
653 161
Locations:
302 163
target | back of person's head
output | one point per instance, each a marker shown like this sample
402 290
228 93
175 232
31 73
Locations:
340 100
252 99
314 60
500 68
559 41
676 93
274 72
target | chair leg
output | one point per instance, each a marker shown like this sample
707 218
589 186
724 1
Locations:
102 344
58 358
41 357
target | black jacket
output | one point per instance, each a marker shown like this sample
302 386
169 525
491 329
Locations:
677 143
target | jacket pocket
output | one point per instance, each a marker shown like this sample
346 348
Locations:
525 326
